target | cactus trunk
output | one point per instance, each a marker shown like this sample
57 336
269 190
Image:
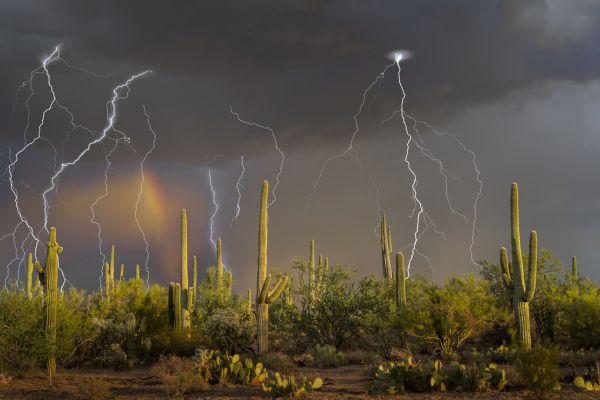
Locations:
137 272
400 281
112 267
185 312
219 264
263 295
29 276
386 249
51 299
130 327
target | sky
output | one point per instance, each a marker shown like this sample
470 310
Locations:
515 81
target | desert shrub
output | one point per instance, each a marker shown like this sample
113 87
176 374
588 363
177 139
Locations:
22 338
93 388
327 357
284 322
459 311
229 330
114 357
279 362
178 375
538 370
335 313
501 354
579 316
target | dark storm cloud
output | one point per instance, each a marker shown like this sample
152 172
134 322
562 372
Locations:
261 56
513 78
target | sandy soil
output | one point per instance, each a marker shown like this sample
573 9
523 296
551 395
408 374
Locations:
341 383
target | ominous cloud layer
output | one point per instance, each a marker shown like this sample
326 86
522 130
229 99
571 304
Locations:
516 80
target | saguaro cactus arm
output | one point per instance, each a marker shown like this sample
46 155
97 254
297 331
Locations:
506 269
532 274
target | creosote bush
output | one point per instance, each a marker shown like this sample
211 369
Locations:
538 370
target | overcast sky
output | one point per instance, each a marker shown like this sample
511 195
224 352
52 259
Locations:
516 82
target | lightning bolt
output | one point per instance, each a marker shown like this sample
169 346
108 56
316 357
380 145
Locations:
238 185
120 92
350 148
276 144
140 193
215 210
415 196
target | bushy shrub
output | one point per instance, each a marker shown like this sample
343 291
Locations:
22 337
229 330
538 370
178 375
93 388
279 362
326 357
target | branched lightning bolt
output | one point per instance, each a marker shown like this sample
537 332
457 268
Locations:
350 148
215 210
418 203
473 221
238 185
120 92
141 191
276 145
111 115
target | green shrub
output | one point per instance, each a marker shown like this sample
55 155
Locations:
279 362
229 330
178 375
22 338
327 357
538 370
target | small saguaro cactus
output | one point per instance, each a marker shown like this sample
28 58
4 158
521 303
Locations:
112 267
386 249
107 280
311 275
30 276
177 308
265 296
249 302
137 272
171 305
122 273
50 273
513 273
220 268
194 277
400 281
574 274
130 327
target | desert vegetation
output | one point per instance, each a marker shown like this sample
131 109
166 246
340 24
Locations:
521 326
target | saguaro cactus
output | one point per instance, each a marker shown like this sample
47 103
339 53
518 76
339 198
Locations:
171 305
50 273
194 278
513 273
107 280
137 272
386 248
249 302
122 273
185 316
574 274
263 281
220 278
177 308
400 281
112 267
29 276
130 327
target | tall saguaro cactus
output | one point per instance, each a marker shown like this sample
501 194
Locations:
112 267
263 281
400 281
50 273
185 311
513 273
574 274
107 280
386 249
